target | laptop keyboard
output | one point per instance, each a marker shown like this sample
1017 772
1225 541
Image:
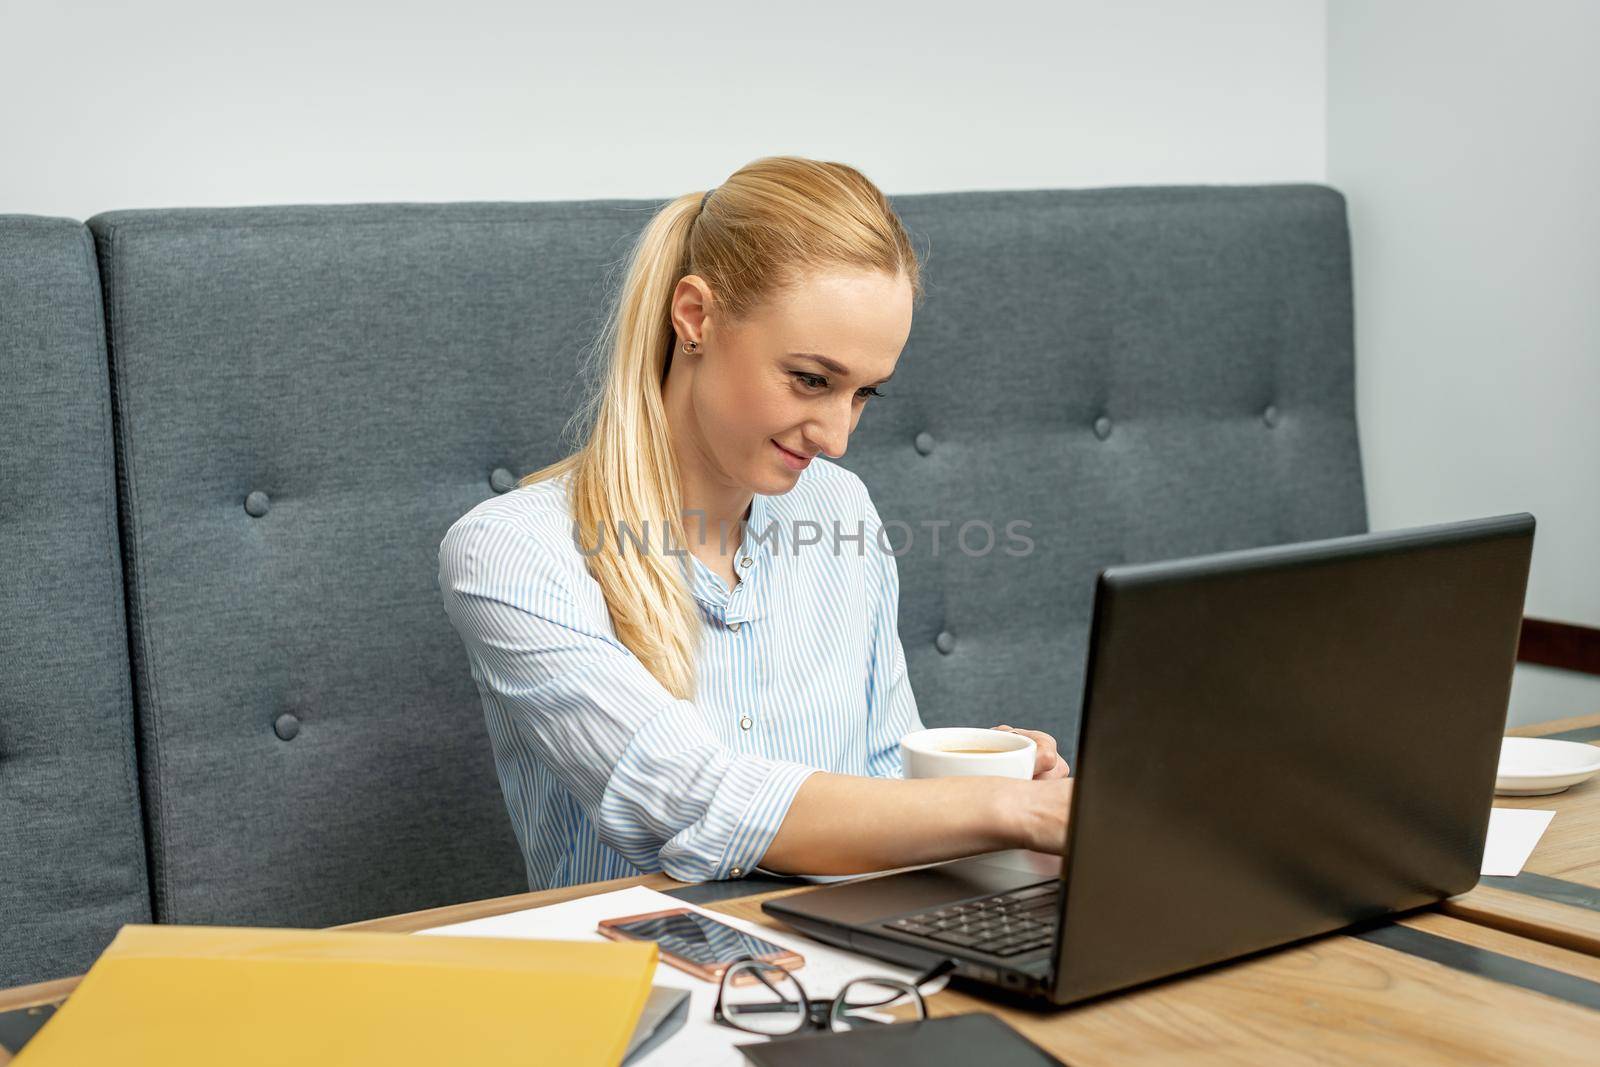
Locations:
1002 925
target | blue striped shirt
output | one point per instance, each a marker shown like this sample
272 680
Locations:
604 772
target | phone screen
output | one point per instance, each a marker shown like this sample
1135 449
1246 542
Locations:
698 939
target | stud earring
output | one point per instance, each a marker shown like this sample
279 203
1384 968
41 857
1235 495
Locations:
691 346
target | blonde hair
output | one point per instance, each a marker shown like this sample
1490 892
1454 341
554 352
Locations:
763 230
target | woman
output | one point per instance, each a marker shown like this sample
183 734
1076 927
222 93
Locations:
675 677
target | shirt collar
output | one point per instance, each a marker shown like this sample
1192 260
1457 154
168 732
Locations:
709 589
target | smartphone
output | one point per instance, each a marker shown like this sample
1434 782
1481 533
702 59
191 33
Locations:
16 1027
699 944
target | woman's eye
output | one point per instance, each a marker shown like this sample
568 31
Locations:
817 381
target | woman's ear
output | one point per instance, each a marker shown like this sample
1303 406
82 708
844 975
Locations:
690 309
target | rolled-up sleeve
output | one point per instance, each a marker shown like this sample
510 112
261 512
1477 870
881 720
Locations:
659 787
891 706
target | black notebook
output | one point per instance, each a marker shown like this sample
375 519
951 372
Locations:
951 1041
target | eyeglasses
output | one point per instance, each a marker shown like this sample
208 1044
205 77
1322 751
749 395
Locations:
777 1004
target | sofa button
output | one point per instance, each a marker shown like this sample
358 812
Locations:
286 727
945 642
1270 416
502 480
257 503
924 442
1102 427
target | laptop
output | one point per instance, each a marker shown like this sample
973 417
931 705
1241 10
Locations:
1275 743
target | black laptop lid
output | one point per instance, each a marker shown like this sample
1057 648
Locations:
1279 742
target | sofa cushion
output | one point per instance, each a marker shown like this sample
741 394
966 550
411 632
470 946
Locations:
72 855
306 399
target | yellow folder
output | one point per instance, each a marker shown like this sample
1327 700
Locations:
178 995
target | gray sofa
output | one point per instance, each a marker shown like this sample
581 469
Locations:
231 440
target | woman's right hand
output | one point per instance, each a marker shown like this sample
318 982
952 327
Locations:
1037 812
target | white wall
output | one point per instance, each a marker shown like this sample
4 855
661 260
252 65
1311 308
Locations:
1466 138
163 103
1463 135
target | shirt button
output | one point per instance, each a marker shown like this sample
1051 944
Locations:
735 872
745 562
733 626
744 723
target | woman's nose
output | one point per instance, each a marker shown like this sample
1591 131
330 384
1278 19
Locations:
834 431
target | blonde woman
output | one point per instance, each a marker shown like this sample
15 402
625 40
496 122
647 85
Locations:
677 675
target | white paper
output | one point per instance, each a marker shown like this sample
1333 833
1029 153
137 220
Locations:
701 1041
1513 833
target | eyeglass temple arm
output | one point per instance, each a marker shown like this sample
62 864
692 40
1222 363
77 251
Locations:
943 967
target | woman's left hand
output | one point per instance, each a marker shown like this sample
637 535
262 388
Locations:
1047 761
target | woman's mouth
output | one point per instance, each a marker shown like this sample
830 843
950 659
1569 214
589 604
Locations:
794 461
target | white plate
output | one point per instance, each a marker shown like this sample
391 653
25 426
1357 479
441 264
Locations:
1535 766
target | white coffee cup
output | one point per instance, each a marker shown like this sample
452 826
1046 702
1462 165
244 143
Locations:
935 753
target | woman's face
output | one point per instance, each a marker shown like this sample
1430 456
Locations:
792 379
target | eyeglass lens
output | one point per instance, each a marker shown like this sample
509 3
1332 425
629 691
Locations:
773 1004
871 1000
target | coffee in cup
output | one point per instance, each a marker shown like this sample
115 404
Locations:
948 751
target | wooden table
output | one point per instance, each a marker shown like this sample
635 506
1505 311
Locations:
1337 999
1403 993
1557 897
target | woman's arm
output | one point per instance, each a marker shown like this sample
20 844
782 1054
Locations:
843 824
